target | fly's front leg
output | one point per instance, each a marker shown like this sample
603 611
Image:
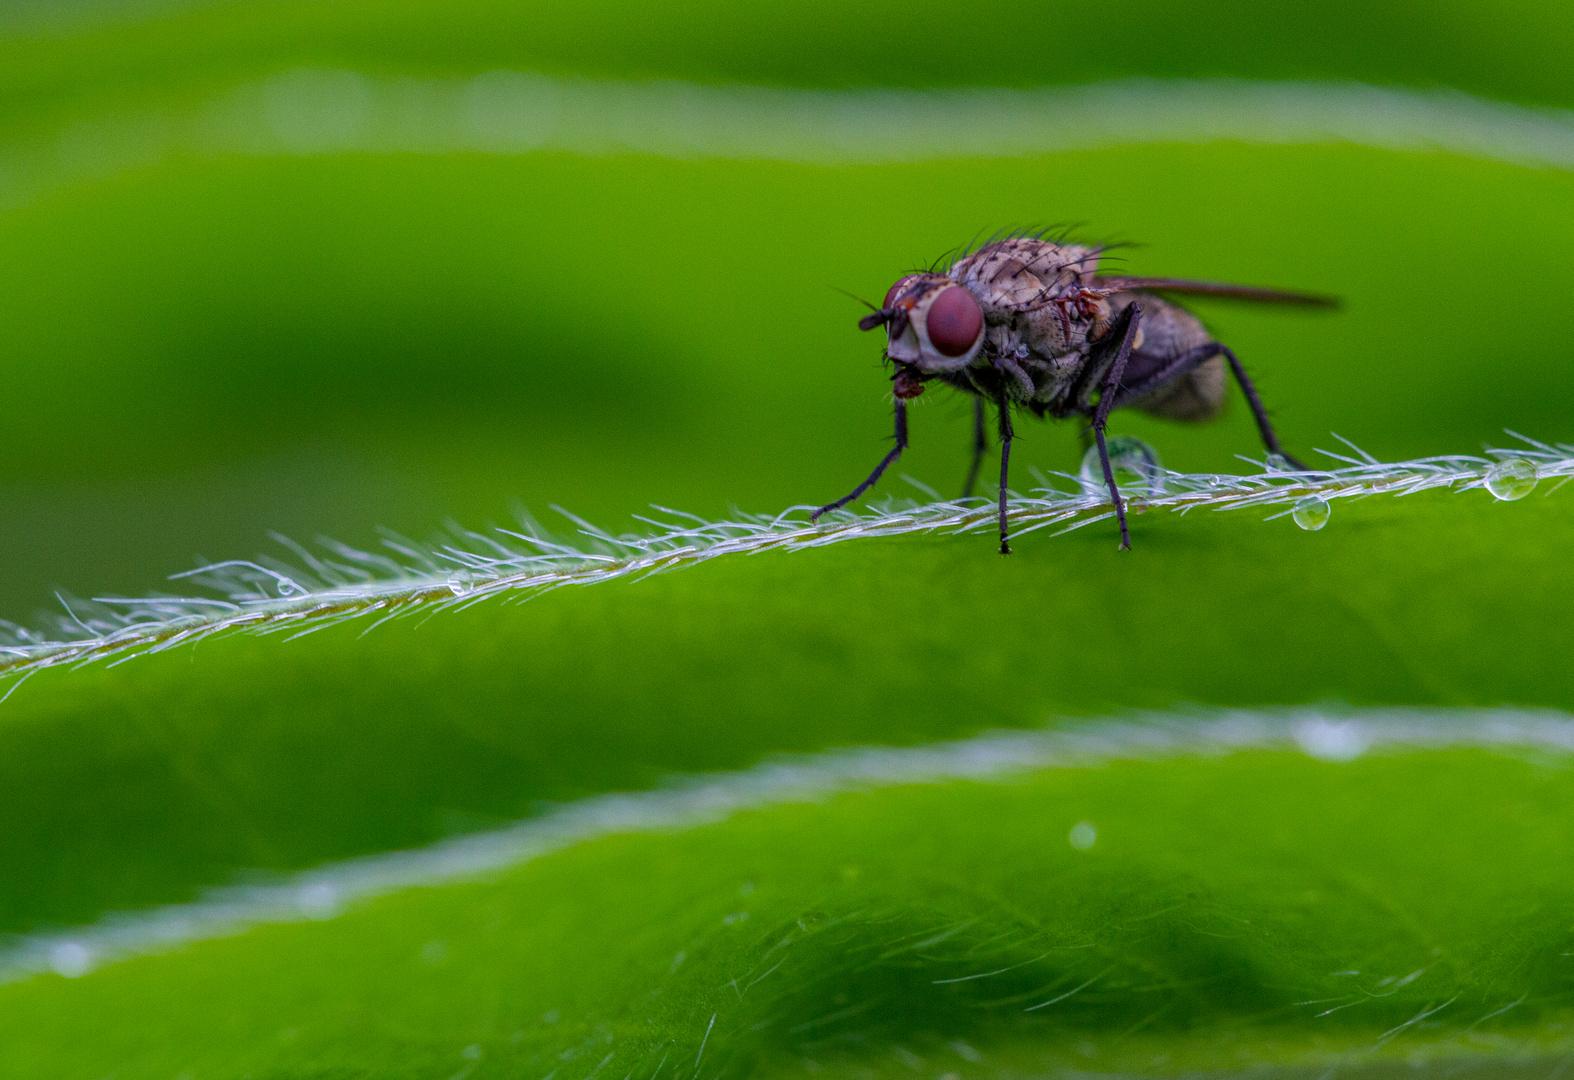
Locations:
1006 436
896 452
1111 389
980 444
1269 439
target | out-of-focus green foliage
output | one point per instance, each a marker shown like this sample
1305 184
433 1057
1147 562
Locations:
1512 49
1233 914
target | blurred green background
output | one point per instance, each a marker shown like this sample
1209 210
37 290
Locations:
207 341
209 346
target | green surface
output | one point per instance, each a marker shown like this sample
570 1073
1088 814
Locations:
202 348
246 753
1225 905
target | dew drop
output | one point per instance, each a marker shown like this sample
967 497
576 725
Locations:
287 587
1136 466
1332 740
1311 513
71 959
461 582
1279 463
1510 479
1083 835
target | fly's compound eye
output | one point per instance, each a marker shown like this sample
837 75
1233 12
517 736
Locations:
954 321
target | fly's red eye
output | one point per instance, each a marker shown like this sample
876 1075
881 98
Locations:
954 321
895 291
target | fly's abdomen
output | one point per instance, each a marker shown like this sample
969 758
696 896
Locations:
1194 397
1169 332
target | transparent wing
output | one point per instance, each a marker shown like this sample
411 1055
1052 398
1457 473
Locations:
1214 288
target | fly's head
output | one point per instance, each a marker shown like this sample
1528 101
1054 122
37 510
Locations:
932 324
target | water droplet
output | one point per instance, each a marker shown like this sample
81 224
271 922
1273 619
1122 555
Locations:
1510 479
1083 835
1136 466
461 582
287 587
1332 740
1280 463
1311 513
71 959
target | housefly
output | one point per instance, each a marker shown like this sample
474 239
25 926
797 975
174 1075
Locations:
1026 322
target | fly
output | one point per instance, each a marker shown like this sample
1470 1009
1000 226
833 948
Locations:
1030 323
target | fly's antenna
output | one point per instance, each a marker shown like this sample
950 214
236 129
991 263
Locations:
896 318
856 297
877 316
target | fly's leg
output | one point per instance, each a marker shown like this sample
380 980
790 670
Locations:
980 444
1010 367
1190 359
896 452
1269 439
1171 371
1006 436
1111 390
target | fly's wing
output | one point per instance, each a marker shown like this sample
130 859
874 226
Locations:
1214 288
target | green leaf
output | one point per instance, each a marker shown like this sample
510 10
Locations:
261 268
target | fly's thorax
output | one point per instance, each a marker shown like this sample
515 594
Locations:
1002 336
933 323
1022 272
1066 324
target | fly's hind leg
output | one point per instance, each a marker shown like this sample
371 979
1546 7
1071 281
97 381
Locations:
980 444
896 452
1108 395
1269 439
1193 358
